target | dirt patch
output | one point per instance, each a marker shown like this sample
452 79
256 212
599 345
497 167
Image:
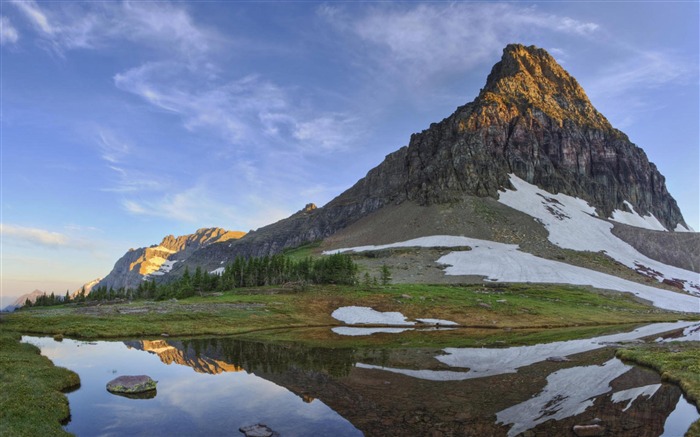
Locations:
680 249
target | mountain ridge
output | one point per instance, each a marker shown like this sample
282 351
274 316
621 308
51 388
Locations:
158 259
531 120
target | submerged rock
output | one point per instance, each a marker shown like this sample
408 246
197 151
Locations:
557 359
258 430
131 384
589 430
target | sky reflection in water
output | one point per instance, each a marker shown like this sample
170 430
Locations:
207 389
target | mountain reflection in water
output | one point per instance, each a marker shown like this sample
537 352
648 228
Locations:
300 390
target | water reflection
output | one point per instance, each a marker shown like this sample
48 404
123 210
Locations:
215 386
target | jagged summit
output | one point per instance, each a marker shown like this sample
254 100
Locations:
530 79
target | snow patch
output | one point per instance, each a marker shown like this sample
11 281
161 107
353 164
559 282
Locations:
488 362
691 333
430 241
569 392
681 228
572 224
633 219
506 263
428 375
354 332
167 266
354 315
633 393
484 362
438 322
218 271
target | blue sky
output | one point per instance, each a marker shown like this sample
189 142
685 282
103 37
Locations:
123 122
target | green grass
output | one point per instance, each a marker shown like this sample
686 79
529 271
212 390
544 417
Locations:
249 310
31 398
304 251
677 362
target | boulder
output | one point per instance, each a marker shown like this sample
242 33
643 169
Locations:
131 384
258 430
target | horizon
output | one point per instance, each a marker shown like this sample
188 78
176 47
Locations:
126 122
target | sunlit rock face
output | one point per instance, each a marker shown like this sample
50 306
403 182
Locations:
174 352
157 260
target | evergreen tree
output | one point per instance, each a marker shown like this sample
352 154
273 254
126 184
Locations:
385 275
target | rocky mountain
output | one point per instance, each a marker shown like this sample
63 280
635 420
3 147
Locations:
157 260
19 302
533 121
87 288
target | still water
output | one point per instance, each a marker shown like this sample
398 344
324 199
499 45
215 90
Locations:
215 386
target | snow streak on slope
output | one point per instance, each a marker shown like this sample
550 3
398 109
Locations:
572 224
634 219
505 262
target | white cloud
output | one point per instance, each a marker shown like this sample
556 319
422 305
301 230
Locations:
34 235
35 15
620 90
112 148
643 69
8 33
248 112
422 40
160 25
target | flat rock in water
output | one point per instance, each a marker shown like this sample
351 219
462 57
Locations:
131 384
258 430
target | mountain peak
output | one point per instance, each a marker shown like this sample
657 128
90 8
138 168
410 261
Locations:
530 79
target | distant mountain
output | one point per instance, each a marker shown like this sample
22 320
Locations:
157 260
22 299
87 287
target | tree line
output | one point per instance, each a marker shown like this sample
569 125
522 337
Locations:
242 273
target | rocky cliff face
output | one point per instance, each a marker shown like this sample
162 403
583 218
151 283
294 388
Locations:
157 260
531 119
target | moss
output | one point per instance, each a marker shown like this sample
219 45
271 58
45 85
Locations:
677 362
31 398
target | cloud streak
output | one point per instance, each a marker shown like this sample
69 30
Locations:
250 112
161 26
8 33
35 236
426 39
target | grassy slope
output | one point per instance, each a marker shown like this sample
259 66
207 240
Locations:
514 306
677 362
31 398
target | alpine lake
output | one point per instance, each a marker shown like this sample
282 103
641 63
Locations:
215 386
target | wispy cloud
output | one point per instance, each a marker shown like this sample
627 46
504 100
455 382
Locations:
160 25
37 236
622 87
247 112
425 39
113 149
642 69
8 33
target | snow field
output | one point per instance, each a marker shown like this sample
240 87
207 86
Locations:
573 224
